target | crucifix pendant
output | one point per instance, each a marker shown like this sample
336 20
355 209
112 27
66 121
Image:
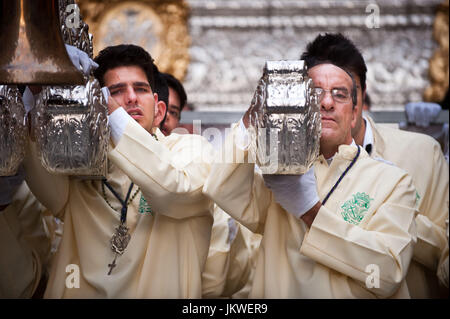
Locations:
119 242
112 265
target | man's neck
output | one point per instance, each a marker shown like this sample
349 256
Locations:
328 151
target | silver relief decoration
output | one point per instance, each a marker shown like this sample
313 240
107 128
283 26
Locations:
232 39
75 32
70 122
71 129
13 130
285 118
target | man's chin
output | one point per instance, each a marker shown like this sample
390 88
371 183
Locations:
328 135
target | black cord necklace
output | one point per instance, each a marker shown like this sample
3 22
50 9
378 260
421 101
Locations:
121 237
342 176
123 211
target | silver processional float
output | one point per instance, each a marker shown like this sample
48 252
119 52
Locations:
69 120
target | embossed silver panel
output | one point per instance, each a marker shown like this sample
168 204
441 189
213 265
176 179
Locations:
70 126
70 122
285 118
13 130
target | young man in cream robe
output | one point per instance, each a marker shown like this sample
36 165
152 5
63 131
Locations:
418 154
168 217
358 245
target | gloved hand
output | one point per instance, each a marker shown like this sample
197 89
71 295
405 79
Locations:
422 113
9 186
297 194
80 58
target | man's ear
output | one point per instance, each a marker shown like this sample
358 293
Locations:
160 111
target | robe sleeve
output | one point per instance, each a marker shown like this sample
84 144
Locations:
236 188
432 243
380 247
170 178
228 265
51 190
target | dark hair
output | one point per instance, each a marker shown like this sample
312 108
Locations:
162 89
176 85
161 86
124 55
367 100
336 49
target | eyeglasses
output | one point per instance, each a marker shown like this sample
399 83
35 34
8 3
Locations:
338 95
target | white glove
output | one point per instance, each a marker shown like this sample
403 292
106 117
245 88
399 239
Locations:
422 113
9 186
80 59
242 138
297 194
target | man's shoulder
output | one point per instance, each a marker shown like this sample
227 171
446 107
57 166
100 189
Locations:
187 139
399 140
381 167
192 145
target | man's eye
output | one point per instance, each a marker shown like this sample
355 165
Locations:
340 94
142 89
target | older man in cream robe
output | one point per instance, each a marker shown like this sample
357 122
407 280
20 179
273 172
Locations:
357 244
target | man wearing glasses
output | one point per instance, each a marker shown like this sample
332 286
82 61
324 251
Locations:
344 229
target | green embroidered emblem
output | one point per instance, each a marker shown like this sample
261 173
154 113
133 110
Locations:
417 199
144 207
354 210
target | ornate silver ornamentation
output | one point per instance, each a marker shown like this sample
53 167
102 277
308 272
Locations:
70 122
285 119
13 130
70 126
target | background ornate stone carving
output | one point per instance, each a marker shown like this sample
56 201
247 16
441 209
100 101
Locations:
160 26
231 40
439 69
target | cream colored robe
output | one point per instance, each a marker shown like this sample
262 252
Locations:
421 156
334 258
231 257
168 248
24 245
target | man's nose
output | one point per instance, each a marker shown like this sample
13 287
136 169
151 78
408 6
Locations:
131 97
327 101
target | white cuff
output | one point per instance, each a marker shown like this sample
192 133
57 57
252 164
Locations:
242 137
117 122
